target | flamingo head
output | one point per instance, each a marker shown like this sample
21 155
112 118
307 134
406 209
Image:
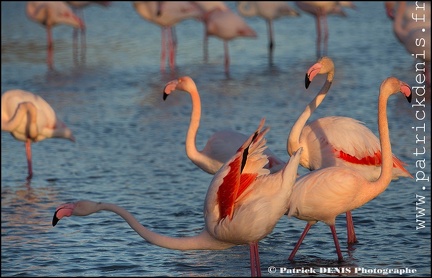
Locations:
324 65
184 83
80 208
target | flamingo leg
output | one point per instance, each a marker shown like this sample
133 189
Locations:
205 46
350 228
271 41
227 60
83 45
49 48
75 45
338 250
299 242
163 50
318 41
172 44
326 34
29 158
255 260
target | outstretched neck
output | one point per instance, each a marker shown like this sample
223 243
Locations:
203 241
294 137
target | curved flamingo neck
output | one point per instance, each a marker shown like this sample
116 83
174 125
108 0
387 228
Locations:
294 137
201 241
196 156
385 177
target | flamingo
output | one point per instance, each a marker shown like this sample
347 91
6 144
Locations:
269 11
29 118
78 7
421 11
320 10
50 14
242 206
323 194
415 36
337 141
227 25
221 145
207 6
167 14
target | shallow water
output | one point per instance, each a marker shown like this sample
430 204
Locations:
130 144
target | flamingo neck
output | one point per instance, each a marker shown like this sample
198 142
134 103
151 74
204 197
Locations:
191 149
381 184
202 241
294 137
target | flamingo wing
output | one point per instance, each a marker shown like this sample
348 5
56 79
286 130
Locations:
240 172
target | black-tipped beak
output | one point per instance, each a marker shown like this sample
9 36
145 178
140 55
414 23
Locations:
307 81
165 95
409 98
55 219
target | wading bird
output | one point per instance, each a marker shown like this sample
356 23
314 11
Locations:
242 206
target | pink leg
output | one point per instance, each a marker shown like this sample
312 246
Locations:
227 60
29 158
50 48
350 228
299 242
255 260
163 50
326 34
335 239
83 45
172 44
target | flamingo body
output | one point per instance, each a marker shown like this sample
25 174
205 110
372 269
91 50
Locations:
29 118
325 193
221 145
242 205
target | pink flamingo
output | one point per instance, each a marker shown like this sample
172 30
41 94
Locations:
269 11
415 37
78 7
227 25
167 14
50 14
337 141
207 6
221 146
242 206
29 118
320 10
325 193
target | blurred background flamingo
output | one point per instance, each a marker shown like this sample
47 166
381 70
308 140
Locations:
227 25
78 7
320 10
269 11
50 14
29 118
167 14
414 35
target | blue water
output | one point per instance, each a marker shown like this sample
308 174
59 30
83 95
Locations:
130 144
